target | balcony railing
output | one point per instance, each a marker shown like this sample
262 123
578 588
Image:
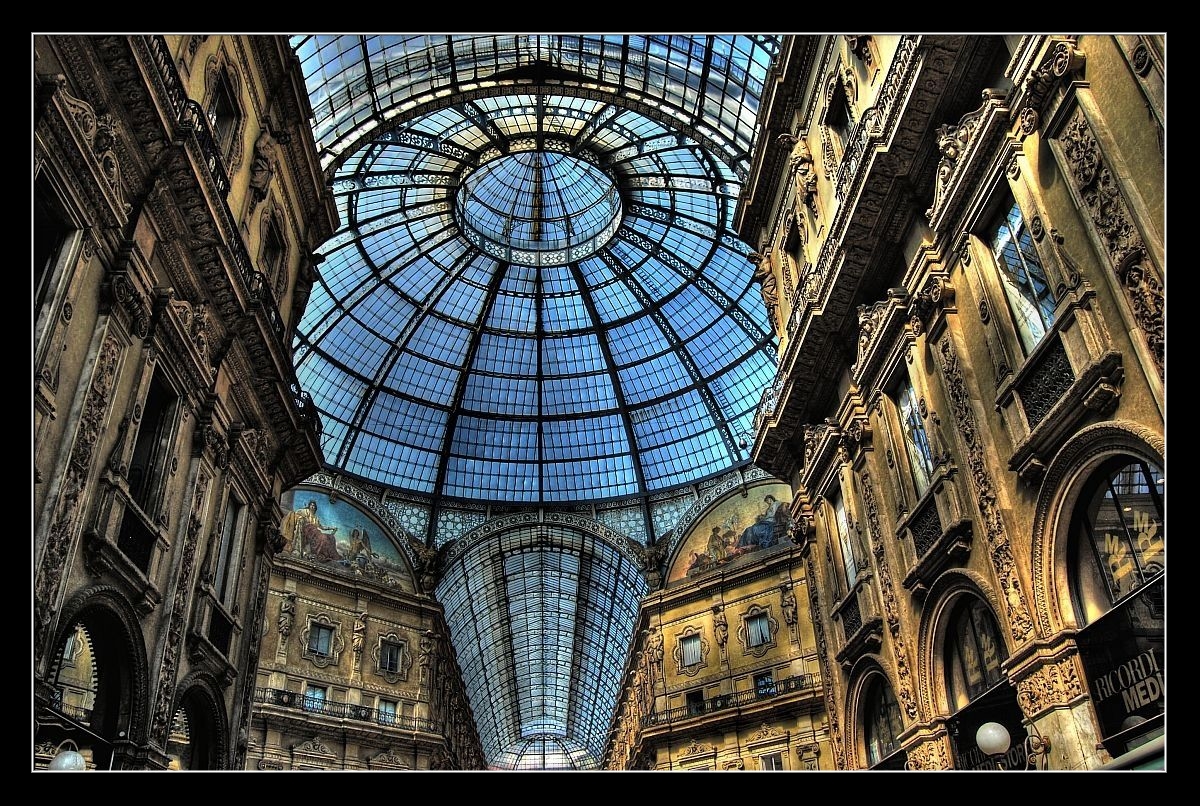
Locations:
725 702
342 710
192 119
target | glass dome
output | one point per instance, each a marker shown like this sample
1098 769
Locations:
536 297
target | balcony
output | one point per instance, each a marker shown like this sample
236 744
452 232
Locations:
728 702
294 700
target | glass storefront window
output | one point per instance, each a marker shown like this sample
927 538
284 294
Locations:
1118 572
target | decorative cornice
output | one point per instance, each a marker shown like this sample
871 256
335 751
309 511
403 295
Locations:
1060 61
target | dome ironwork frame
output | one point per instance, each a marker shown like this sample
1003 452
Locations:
536 297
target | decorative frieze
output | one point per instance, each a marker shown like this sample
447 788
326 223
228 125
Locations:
1060 61
986 495
1052 684
1114 226
891 607
824 655
168 666
930 754
68 512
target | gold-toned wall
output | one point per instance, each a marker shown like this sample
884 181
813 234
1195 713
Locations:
753 697
351 577
165 424
892 284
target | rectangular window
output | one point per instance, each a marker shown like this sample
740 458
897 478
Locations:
764 685
771 761
841 522
151 446
223 117
758 629
916 441
314 698
272 259
689 649
223 579
51 230
389 657
1030 297
387 712
320 640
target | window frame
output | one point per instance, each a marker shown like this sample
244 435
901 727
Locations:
315 631
310 701
385 716
273 256
771 762
843 541
223 114
690 645
764 684
229 541
881 713
914 436
972 626
758 629
389 648
1006 213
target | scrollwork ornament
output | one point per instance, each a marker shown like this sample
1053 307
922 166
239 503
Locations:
1013 171
1030 120
1141 59
1066 59
965 255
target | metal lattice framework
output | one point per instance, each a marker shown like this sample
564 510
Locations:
536 296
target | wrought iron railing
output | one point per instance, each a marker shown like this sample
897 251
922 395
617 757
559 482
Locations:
725 702
78 713
343 710
926 527
1047 382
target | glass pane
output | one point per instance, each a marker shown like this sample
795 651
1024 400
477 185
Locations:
916 442
1029 295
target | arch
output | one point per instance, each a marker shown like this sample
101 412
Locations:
859 681
198 697
945 593
1059 493
755 506
495 526
122 679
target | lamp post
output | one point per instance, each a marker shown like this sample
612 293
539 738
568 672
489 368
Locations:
67 759
993 740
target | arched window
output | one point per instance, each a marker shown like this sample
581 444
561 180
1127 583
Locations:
974 652
1118 575
1119 536
75 680
882 725
193 743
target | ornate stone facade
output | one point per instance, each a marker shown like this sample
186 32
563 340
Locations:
970 485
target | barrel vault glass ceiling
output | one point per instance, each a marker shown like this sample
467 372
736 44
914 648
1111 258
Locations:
536 297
